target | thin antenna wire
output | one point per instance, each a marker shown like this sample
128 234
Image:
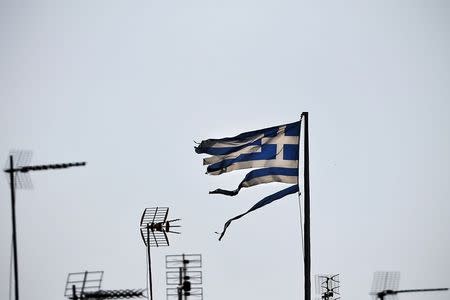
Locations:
301 224
298 184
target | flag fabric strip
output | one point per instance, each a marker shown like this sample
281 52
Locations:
266 175
267 200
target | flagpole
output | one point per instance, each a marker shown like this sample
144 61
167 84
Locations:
307 227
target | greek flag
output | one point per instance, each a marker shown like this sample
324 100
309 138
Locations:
273 151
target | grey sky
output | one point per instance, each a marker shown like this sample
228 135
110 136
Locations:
128 86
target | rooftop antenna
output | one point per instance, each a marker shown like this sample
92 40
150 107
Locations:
184 271
17 169
154 228
327 287
385 286
87 285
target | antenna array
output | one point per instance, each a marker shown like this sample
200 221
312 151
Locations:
327 287
184 272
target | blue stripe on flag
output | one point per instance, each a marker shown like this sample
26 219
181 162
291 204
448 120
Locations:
290 152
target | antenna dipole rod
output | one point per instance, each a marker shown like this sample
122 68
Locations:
14 233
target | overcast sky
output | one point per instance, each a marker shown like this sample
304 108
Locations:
129 86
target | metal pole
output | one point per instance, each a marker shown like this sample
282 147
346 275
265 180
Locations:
14 233
180 287
150 290
84 284
307 227
74 292
184 276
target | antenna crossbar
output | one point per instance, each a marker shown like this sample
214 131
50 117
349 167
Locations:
26 169
115 294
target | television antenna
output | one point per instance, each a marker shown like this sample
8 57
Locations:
327 286
154 228
87 285
17 169
184 271
385 286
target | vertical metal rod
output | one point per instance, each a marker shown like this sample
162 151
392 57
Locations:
184 276
74 292
180 284
150 289
84 284
307 227
14 232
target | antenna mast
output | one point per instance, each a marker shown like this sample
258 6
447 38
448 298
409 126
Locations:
87 285
184 271
154 228
385 285
327 287
17 169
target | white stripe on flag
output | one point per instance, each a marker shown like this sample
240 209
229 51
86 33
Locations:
257 164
